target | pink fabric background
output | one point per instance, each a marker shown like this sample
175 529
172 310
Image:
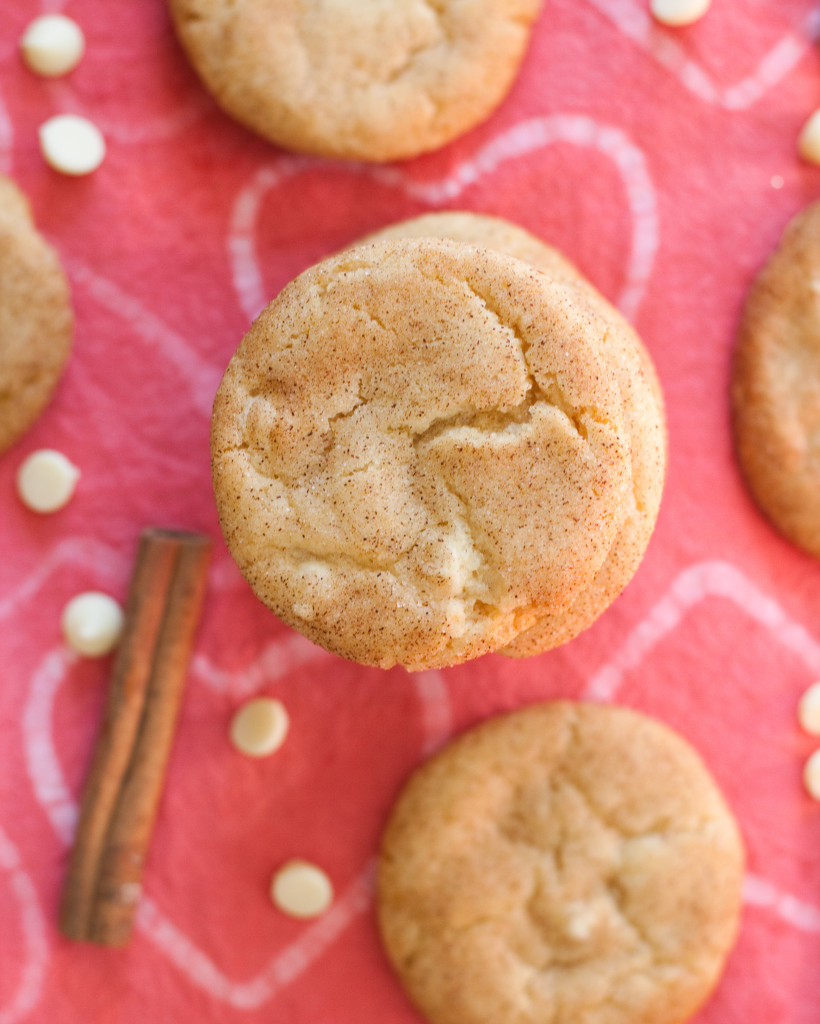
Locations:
653 158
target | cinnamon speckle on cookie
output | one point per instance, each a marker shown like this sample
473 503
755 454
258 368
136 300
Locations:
561 863
434 426
643 410
362 80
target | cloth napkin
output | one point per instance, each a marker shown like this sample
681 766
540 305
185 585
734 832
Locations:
664 163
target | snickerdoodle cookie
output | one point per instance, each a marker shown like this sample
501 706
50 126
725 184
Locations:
563 864
366 80
417 449
643 416
36 320
776 385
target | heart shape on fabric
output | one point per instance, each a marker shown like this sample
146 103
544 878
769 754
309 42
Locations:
512 144
277 662
778 652
632 18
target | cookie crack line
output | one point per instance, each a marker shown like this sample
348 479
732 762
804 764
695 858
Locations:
611 884
374 319
340 417
661 828
413 53
483 421
437 9
340 560
549 389
617 894
478 539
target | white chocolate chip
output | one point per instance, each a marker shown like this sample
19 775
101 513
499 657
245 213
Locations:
52 45
46 480
259 727
92 624
301 889
72 144
808 143
808 710
811 775
676 13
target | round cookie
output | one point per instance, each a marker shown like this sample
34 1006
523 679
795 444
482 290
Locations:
417 448
363 80
565 863
643 416
36 320
776 385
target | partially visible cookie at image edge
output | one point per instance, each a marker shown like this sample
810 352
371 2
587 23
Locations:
561 863
36 319
776 385
359 80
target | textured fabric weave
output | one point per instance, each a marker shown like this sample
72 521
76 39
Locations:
664 164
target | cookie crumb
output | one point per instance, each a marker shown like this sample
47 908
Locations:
259 727
808 710
46 481
72 144
52 45
92 624
811 775
301 889
676 13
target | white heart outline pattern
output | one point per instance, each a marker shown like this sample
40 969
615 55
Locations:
35 962
701 579
199 377
693 585
688 589
520 140
197 105
54 797
636 24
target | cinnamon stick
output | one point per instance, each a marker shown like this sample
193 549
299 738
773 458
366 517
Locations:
122 792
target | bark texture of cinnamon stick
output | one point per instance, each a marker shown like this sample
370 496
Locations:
124 783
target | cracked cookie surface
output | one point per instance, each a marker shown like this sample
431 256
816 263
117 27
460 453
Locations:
365 80
562 864
776 385
643 410
417 447
36 319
